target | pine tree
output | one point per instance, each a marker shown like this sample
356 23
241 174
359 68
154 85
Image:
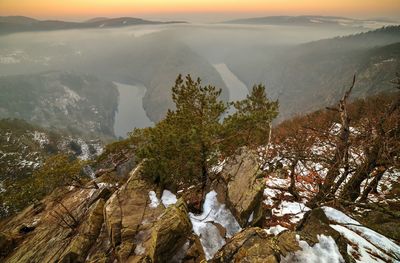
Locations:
250 125
180 147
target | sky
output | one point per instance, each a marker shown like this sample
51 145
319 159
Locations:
197 9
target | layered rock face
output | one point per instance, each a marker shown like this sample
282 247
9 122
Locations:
95 225
135 222
240 186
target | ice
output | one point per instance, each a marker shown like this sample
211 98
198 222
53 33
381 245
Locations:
326 251
168 198
208 233
154 202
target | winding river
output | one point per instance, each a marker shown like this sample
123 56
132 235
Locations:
130 112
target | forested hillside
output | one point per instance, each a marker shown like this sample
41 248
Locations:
310 76
77 103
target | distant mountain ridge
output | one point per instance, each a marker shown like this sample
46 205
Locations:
12 24
313 21
309 76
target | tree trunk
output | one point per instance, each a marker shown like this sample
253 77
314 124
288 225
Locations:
292 187
372 186
204 175
340 151
352 189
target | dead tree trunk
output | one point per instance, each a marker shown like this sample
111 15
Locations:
292 187
341 149
373 185
352 189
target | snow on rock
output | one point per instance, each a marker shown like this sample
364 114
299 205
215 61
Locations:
154 202
213 212
270 195
41 138
85 155
326 251
168 198
362 251
294 209
218 168
275 230
338 216
278 182
367 239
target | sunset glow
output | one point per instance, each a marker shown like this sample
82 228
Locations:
70 8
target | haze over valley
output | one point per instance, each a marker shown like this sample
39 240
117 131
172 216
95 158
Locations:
273 51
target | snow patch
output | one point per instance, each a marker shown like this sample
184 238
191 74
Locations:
362 248
368 235
154 202
215 212
140 250
218 168
41 138
338 216
275 230
168 198
326 251
295 209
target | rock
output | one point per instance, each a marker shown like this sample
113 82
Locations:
45 236
7 244
240 186
170 232
78 248
385 224
221 229
128 216
195 252
254 245
104 193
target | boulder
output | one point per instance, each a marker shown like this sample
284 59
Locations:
7 244
128 216
254 245
194 252
78 248
240 186
170 232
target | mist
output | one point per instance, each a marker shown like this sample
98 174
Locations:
151 57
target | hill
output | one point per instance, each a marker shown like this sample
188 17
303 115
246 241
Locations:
13 24
306 77
317 21
80 104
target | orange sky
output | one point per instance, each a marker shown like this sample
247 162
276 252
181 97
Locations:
89 8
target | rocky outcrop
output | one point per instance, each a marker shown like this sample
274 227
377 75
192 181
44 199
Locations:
254 245
194 252
170 232
240 186
78 248
62 228
128 216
